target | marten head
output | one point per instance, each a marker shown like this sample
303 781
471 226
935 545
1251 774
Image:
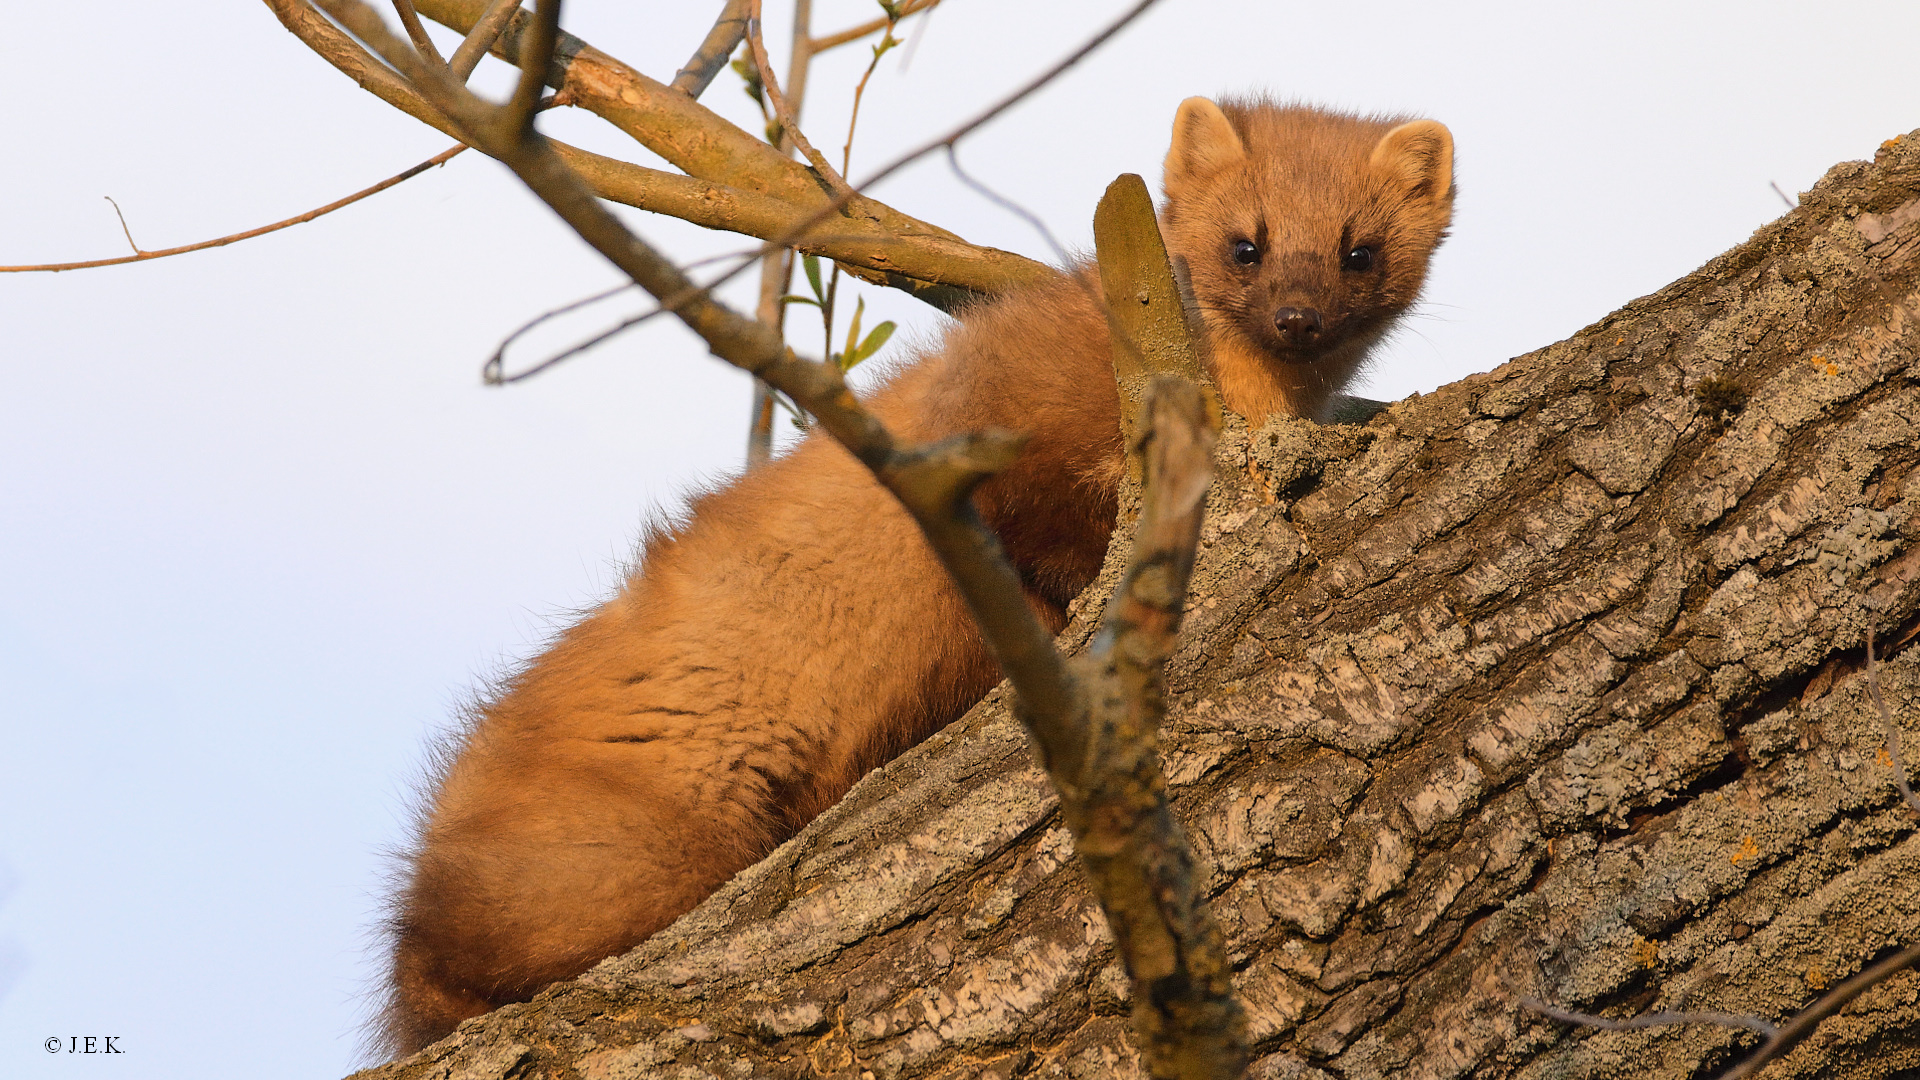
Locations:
1305 233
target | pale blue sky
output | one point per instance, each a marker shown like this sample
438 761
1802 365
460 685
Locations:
262 529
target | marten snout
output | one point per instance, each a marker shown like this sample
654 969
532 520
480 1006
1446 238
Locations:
1300 327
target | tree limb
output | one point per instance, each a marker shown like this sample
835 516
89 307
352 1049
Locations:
481 38
929 264
693 79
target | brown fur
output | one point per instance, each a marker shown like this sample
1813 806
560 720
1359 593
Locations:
796 632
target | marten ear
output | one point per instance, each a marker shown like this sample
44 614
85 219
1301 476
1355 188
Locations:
1204 143
1420 155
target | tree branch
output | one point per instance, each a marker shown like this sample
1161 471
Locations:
902 251
930 264
789 122
438 159
410 19
481 38
1779 1039
855 33
693 79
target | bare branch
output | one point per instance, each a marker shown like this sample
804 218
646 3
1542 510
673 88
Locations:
535 55
438 159
1014 98
1004 203
1112 788
776 264
693 79
1779 1039
1893 732
482 36
892 18
1793 1031
855 33
877 243
793 236
493 372
789 122
410 19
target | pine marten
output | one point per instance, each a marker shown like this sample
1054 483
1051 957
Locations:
794 632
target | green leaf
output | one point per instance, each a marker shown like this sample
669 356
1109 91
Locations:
750 75
812 265
874 341
851 356
795 298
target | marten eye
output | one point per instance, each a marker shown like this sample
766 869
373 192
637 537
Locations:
1246 252
1360 258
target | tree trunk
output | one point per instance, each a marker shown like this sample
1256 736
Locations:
1548 684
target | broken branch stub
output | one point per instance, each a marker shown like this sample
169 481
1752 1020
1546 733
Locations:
1152 327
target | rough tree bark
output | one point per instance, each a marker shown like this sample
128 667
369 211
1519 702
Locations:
1547 684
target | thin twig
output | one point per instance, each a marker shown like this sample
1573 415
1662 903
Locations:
492 373
834 41
128 233
1779 1039
1031 218
1791 205
946 143
481 38
438 159
517 117
840 201
860 91
933 265
410 19
1802 1025
776 266
714 49
789 123
1893 733
1012 99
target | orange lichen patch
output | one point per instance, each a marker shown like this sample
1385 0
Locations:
1883 757
1816 979
1748 850
1645 953
1890 143
1822 364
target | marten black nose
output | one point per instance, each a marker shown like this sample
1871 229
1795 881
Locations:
1300 326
